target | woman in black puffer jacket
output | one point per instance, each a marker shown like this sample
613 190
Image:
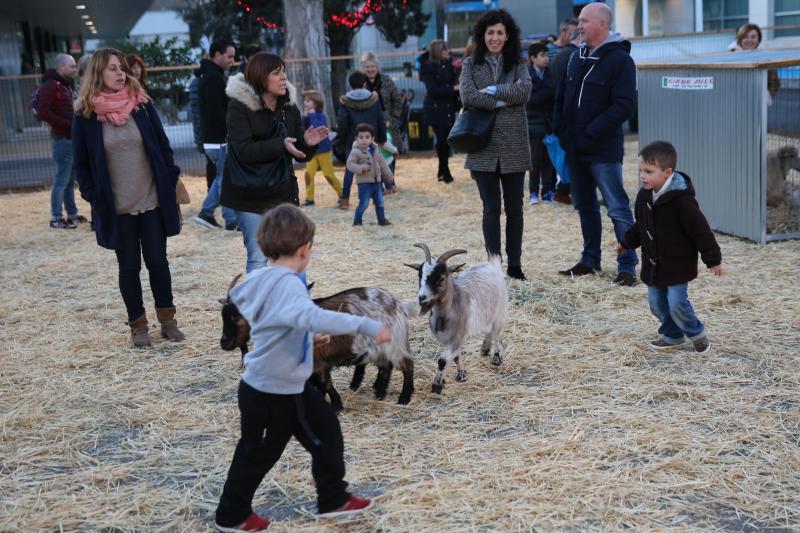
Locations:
258 99
441 99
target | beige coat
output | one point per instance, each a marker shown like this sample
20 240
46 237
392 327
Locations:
378 168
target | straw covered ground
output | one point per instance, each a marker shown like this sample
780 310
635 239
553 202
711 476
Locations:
582 428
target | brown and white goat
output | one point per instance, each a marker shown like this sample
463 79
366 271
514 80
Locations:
345 350
473 303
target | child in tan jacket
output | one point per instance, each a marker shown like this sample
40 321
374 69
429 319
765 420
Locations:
369 167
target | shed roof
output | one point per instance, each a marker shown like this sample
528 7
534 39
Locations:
731 60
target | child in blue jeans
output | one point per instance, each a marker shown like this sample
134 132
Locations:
369 167
276 402
671 230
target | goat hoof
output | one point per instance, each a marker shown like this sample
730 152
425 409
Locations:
354 387
437 388
461 376
403 400
497 360
380 395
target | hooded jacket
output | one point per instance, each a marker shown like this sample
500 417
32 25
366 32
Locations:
596 96
360 106
539 108
441 99
55 103
213 102
251 135
671 231
283 318
359 158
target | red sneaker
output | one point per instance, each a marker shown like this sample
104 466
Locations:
354 505
251 523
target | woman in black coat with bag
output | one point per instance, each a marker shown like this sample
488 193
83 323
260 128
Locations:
125 170
264 132
441 99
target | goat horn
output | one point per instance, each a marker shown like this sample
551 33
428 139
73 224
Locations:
425 249
234 281
450 253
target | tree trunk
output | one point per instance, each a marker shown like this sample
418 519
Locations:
340 41
305 38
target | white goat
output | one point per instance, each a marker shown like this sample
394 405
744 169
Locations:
473 303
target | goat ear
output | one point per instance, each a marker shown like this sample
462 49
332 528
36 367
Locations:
223 301
417 267
455 268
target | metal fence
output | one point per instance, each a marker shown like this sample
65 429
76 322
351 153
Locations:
25 147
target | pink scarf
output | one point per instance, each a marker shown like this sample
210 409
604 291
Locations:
116 107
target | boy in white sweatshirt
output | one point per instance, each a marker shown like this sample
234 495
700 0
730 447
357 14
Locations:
275 402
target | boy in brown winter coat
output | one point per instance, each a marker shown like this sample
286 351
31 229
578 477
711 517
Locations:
369 166
671 230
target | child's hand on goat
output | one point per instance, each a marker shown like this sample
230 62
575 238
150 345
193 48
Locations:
321 340
384 335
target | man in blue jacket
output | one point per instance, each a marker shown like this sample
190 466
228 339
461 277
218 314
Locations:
596 96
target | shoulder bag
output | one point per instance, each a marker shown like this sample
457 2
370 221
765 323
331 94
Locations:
473 127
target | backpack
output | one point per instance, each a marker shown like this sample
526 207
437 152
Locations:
33 100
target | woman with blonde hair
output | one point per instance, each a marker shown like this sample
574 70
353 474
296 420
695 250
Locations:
389 95
126 171
441 100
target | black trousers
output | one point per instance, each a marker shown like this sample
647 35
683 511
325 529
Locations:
268 422
442 148
542 166
143 235
513 185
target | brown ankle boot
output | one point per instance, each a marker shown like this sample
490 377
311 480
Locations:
344 203
139 332
169 327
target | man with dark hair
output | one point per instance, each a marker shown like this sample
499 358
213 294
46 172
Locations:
358 105
213 105
597 95
55 108
249 51
566 30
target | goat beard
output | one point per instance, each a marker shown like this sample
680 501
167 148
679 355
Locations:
425 308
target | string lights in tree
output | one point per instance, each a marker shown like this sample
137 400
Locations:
247 8
353 20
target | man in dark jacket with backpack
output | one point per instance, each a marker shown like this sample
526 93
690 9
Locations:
596 96
53 104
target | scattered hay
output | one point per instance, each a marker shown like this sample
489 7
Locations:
581 428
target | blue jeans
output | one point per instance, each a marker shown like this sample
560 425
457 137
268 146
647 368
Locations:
63 191
586 179
143 235
211 202
367 192
671 306
347 181
248 223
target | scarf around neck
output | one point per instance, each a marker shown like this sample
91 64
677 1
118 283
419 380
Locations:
117 107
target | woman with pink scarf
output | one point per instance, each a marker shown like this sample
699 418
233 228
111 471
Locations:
126 171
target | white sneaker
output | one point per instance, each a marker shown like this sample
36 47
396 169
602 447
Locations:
534 199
